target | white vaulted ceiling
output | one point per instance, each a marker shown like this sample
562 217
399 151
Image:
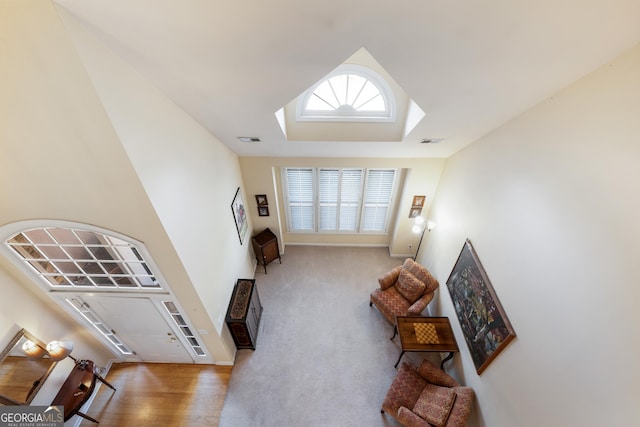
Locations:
471 66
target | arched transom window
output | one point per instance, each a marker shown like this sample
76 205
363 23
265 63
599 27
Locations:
75 258
349 93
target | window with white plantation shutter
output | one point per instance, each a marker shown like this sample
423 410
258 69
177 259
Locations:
331 199
328 186
299 186
377 199
350 197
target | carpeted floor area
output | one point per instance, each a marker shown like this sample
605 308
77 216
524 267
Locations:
323 356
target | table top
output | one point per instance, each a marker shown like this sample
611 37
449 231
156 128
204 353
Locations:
76 389
419 333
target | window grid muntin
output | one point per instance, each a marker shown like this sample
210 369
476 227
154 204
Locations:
41 251
186 330
343 106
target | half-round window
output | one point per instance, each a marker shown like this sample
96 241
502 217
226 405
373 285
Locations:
350 93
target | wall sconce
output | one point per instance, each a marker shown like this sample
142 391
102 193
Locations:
58 350
418 227
33 350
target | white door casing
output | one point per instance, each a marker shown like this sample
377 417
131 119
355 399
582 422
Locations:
139 324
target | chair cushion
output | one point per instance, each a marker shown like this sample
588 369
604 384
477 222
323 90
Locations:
434 404
421 273
390 303
410 286
405 389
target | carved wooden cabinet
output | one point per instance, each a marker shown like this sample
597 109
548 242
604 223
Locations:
243 315
265 246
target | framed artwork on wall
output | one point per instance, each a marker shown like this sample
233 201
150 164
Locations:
261 200
239 215
263 211
415 212
484 323
418 201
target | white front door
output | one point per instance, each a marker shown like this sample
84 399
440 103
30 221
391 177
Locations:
138 324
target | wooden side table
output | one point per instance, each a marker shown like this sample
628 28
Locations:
265 246
77 389
428 334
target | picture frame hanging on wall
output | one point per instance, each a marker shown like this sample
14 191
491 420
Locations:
261 200
239 215
484 323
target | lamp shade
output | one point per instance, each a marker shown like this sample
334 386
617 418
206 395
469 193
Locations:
58 350
33 350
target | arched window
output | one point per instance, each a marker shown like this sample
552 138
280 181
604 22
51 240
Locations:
350 93
71 258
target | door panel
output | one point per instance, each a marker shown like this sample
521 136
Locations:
138 323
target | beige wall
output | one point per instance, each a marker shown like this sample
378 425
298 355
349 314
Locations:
550 203
261 175
190 178
96 144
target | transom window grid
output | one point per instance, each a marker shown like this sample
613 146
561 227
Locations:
72 258
350 93
338 200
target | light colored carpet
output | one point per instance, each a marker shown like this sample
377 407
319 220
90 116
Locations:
323 356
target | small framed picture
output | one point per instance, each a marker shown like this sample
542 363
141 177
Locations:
261 200
263 211
418 201
415 212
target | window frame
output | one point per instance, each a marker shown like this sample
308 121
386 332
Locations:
315 197
303 114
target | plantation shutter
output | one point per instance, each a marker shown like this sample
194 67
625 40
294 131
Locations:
350 195
328 186
377 199
300 198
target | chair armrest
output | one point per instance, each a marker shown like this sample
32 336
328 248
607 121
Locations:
390 278
461 407
409 419
434 375
420 304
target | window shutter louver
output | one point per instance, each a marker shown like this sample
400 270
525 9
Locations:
300 197
333 199
350 194
377 197
328 199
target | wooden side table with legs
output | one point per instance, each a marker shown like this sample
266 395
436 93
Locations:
429 334
77 389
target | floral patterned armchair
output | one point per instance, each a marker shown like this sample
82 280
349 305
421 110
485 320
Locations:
404 291
427 397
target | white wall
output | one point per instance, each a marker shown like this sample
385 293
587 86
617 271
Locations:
189 176
550 203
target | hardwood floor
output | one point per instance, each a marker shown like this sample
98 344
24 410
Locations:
161 394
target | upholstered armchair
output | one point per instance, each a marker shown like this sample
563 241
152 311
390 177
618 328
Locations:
427 397
404 291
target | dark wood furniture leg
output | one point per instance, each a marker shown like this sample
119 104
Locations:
87 417
445 359
103 381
